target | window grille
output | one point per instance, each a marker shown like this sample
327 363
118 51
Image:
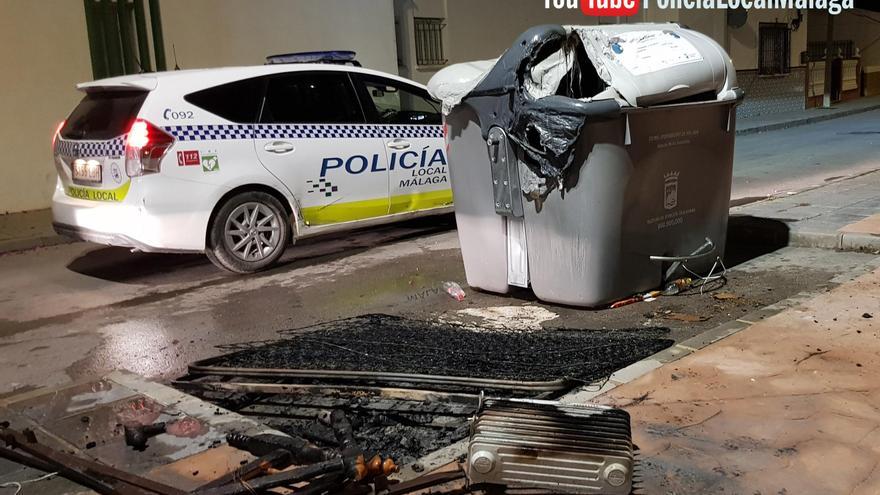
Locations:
429 41
774 49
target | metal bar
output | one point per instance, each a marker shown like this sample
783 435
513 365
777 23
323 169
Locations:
197 368
96 43
111 39
62 470
17 440
140 19
128 54
277 459
284 478
322 390
426 481
325 484
829 61
158 39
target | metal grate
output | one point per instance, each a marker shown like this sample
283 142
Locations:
840 48
429 41
774 49
551 446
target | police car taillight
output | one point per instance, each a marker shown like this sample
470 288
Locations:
145 145
57 131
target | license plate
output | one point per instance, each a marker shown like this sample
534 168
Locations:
87 170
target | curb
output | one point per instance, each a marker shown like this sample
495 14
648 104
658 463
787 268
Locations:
17 245
806 120
840 241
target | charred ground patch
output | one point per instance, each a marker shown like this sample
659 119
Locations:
406 418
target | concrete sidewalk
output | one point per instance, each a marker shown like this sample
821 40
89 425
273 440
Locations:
788 405
842 215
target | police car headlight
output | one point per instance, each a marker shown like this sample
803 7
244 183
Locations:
145 146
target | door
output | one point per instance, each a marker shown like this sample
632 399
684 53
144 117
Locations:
312 135
411 123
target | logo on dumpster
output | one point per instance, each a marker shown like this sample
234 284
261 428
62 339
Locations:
670 190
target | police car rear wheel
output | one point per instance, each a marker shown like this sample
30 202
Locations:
249 233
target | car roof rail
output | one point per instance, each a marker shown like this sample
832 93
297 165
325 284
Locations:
341 57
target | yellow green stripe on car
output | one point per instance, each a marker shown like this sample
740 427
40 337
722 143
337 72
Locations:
105 195
370 208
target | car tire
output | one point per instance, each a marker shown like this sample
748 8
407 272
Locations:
249 233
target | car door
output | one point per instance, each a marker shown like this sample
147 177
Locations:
312 135
411 124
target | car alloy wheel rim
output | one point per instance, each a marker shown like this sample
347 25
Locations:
252 232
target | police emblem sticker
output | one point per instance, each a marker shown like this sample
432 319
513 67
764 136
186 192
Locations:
210 163
116 173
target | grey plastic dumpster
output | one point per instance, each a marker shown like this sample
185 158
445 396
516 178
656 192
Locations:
591 163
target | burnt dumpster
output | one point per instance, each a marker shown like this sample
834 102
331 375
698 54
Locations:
591 163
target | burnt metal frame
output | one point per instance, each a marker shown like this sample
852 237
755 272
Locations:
205 367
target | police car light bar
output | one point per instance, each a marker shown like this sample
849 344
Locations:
329 57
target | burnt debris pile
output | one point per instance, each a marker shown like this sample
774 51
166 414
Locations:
408 386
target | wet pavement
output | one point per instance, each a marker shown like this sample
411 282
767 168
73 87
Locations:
78 311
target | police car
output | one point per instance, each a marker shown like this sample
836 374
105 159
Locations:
238 162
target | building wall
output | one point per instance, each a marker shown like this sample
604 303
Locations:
851 26
769 95
475 30
743 42
42 62
44 47
484 29
211 33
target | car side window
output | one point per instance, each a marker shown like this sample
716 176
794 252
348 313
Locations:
311 98
398 103
238 101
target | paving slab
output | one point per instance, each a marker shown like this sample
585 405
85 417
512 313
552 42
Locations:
843 215
789 405
869 225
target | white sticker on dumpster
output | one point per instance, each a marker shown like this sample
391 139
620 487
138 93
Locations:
641 52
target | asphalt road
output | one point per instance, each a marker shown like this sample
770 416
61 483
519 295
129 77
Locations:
789 160
79 310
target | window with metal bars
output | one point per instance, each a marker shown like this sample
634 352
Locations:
119 34
774 49
429 41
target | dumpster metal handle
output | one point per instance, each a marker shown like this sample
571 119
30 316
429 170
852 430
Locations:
706 250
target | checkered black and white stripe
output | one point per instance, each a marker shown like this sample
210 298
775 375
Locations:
86 149
302 131
210 132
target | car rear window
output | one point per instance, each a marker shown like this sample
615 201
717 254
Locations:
237 101
103 115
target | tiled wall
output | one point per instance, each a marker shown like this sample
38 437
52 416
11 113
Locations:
769 95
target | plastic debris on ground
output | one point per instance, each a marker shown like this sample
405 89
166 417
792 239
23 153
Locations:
454 290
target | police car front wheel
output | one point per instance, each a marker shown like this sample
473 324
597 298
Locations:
249 233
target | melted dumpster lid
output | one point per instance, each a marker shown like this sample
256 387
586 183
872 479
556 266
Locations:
645 64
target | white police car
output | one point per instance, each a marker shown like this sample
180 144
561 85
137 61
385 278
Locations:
237 162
